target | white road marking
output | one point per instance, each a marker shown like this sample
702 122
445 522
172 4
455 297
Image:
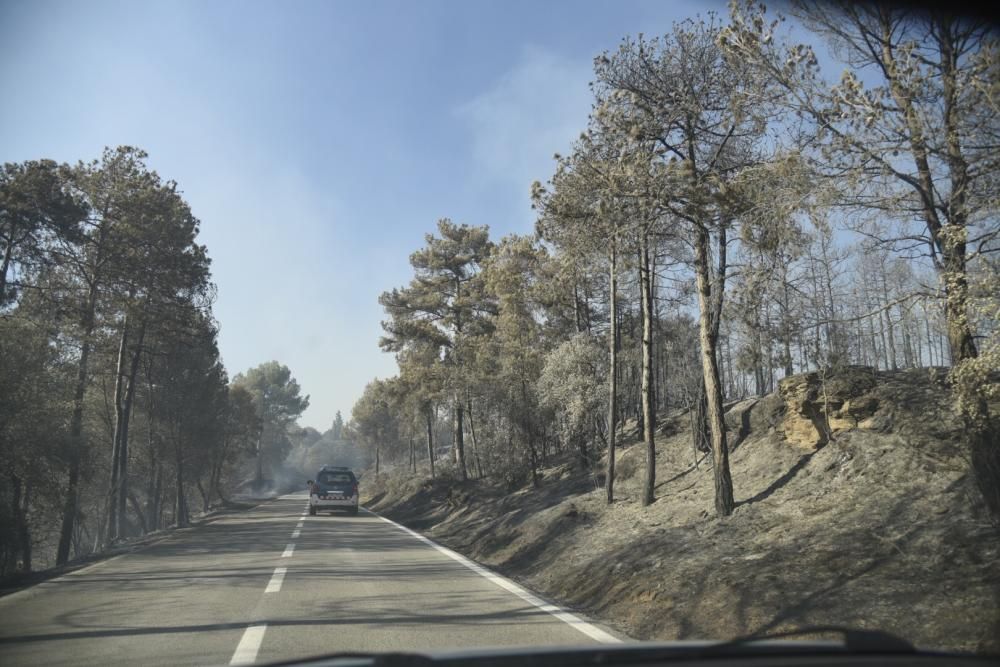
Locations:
274 585
289 549
570 619
246 650
299 524
296 533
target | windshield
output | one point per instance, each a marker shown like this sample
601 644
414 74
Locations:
380 326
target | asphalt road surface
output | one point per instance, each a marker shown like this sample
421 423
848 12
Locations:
274 584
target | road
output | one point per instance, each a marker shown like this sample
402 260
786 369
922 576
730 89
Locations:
273 584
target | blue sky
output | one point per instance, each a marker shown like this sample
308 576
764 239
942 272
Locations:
317 141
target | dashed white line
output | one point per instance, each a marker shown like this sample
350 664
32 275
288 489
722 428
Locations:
296 533
289 549
246 650
570 619
274 585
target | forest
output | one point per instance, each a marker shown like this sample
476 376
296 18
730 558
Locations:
728 217
117 415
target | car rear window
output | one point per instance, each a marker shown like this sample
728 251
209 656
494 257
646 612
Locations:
336 478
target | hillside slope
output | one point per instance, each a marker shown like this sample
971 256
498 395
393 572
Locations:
865 517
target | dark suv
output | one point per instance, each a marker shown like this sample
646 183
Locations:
334 488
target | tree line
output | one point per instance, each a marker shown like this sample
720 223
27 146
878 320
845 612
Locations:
116 412
726 218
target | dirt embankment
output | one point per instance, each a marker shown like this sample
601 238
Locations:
855 507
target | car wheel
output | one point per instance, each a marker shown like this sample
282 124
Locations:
353 511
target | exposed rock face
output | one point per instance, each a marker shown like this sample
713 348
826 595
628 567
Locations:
817 407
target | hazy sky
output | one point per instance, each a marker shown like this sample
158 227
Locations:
317 141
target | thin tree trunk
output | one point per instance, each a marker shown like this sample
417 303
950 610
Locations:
475 444
609 482
137 508
114 527
701 433
758 354
708 335
941 350
126 420
619 369
260 442
156 517
259 479
203 493
216 472
180 509
834 338
905 326
430 439
151 509
529 433
153 489
648 409
458 415
890 327
930 340
19 503
577 316
218 488
786 330
76 448
7 255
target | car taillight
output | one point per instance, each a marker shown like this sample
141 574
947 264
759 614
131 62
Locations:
355 490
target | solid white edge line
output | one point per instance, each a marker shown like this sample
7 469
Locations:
274 585
289 550
572 620
246 650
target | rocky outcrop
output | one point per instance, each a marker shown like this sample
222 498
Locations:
819 405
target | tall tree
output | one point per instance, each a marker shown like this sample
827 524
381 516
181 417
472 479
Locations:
338 426
35 388
376 418
443 306
583 212
278 400
88 269
160 272
192 389
420 369
510 362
